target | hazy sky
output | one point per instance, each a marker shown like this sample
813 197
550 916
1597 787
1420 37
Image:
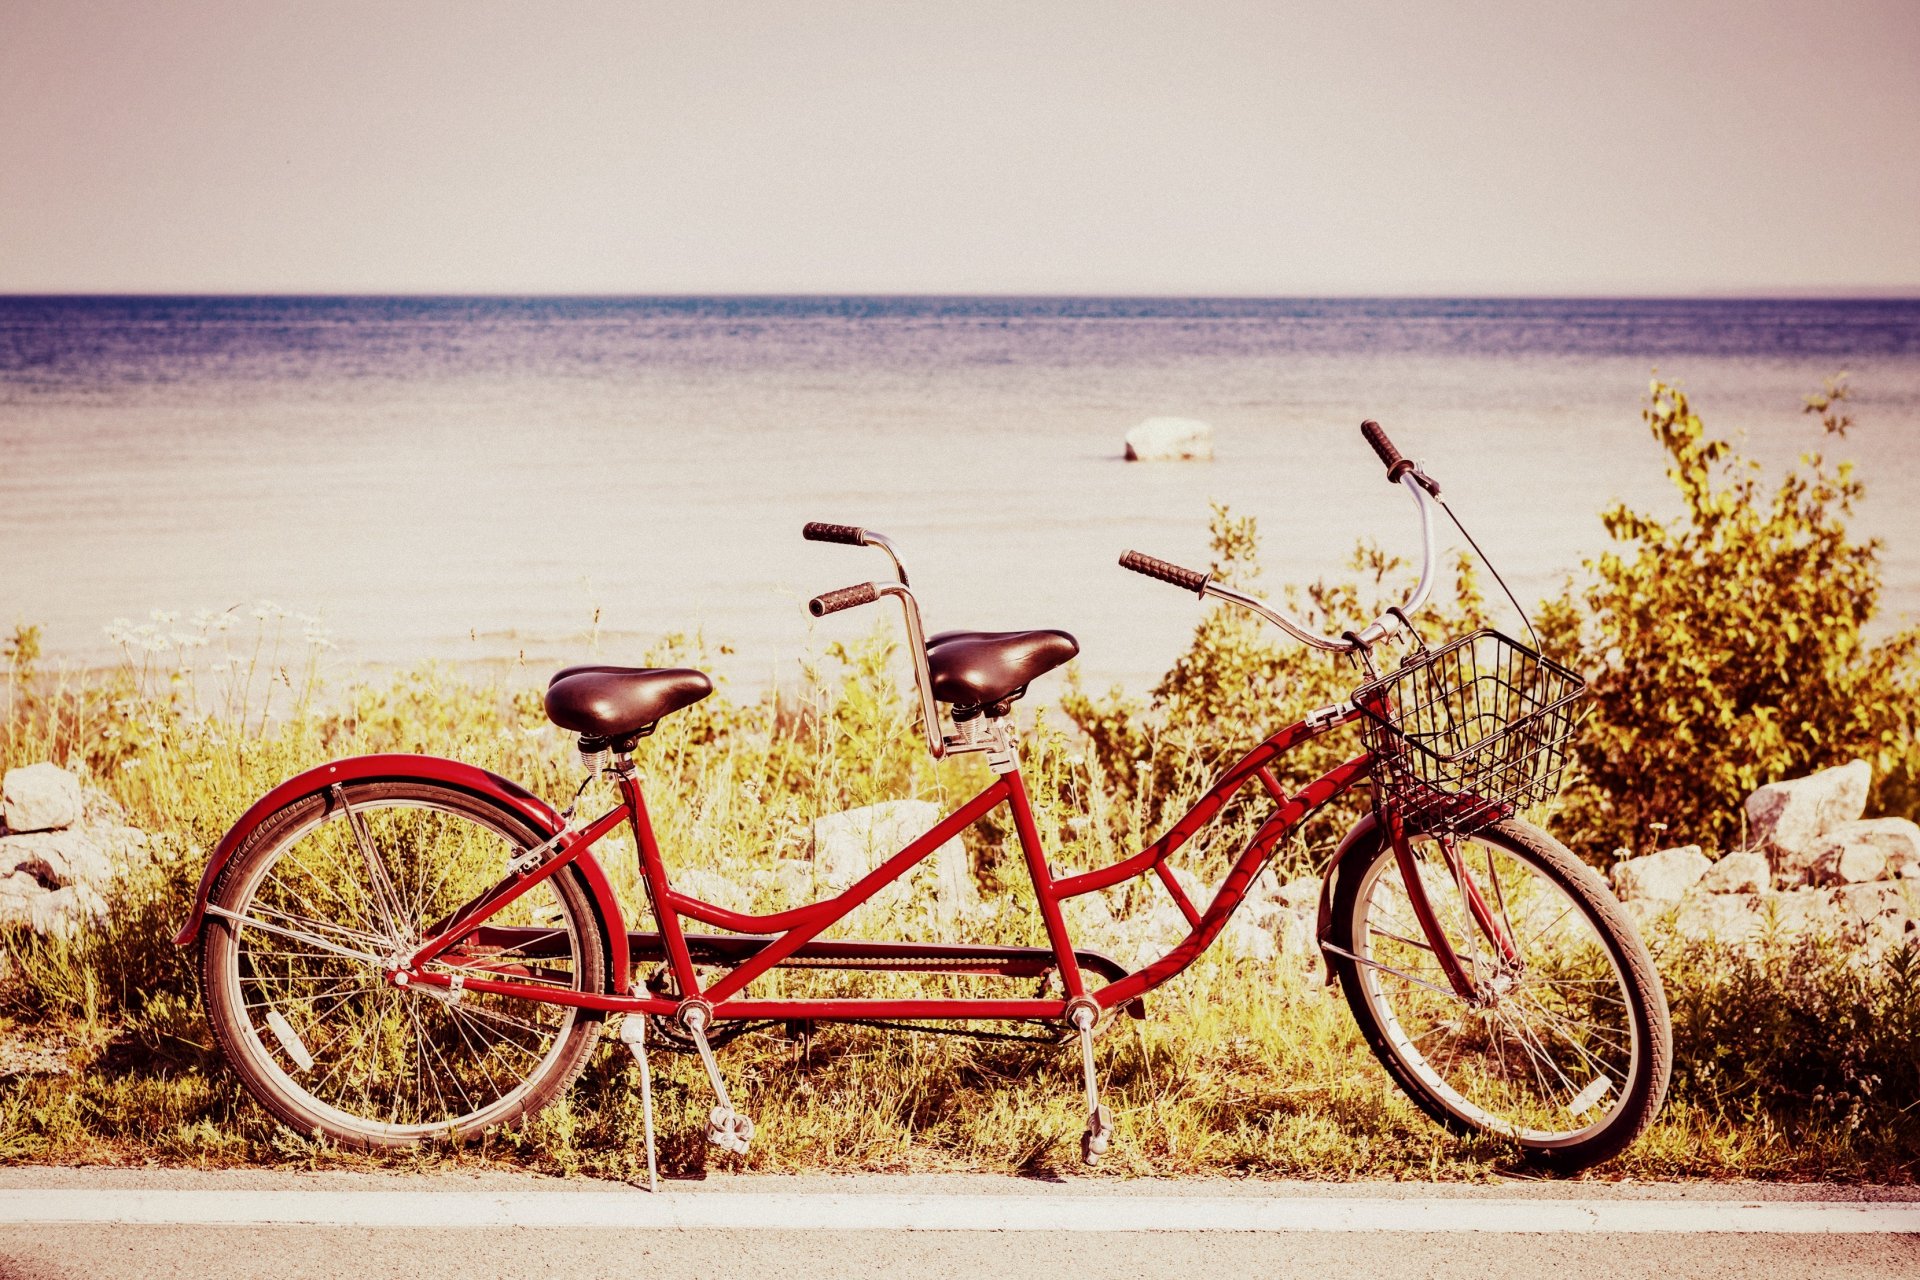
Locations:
1194 147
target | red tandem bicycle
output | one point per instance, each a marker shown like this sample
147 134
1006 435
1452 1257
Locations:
400 949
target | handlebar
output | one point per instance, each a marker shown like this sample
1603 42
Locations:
1190 579
817 531
1397 466
866 593
845 598
1400 470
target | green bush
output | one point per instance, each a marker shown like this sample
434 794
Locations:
1729 647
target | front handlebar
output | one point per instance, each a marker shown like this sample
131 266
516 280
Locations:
1400 470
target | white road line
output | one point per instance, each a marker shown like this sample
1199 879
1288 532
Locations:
790 1211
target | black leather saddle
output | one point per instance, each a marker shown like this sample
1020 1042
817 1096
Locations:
985 668
621 702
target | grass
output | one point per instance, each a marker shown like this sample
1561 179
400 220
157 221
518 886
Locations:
1794 1064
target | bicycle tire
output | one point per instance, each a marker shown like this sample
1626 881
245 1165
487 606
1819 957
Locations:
478 1061
1390 998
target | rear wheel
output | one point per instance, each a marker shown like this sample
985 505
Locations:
314 907
1564 1045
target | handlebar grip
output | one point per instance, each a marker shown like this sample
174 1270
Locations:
1376 435
815 531
1188 578
845 598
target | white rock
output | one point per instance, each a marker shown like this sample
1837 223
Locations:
1870 849
25 900
1732 918
709 886
56 859
1170 440
1737 873
1301 892
790 880
40 797
1661 877
1784 819
847 845
1242 939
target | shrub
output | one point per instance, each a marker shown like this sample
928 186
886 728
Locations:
1728 647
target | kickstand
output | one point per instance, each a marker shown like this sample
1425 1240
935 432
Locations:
727 1129
1099 1132
633 1031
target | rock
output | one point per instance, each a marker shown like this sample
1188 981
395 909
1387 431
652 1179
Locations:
56 859
847 845
709 886
40 797
1170 440
789 880
1242 939
1732 918
1302 892
1737 873
1784 819
1661 877
24 901
1878 916
1870 849
1793 912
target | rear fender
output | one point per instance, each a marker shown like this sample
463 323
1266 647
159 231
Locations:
410 768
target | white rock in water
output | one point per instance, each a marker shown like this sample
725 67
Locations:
1786 818
1871 849
1661 877
1738 873
1170 440
40 797
847 845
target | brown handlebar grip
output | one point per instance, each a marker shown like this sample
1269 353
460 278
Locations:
1376 435
815 531
1192 580
845 598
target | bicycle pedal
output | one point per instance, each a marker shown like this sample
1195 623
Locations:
1098 1137
729 1130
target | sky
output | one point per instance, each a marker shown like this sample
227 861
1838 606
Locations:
1198 147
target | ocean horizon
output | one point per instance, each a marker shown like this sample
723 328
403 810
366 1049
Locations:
487 479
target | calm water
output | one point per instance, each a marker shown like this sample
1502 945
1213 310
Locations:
474 478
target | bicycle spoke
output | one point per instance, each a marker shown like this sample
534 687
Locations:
1553 1011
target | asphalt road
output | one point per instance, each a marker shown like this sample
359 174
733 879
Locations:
168 1223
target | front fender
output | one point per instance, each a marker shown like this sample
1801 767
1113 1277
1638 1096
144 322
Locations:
1361 831
386 767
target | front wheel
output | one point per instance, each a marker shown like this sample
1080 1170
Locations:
1561 1043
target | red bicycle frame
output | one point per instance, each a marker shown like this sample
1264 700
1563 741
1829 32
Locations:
757 944
782 934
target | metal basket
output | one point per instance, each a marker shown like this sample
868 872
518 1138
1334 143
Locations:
1470 733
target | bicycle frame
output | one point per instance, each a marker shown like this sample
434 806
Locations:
790 930
760 943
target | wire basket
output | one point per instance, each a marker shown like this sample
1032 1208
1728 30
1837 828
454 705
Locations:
1470 733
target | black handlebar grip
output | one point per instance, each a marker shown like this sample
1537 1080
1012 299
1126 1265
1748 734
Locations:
1376 435
815 531
845 598
1188 578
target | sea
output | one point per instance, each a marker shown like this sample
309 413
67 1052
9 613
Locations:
521 482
